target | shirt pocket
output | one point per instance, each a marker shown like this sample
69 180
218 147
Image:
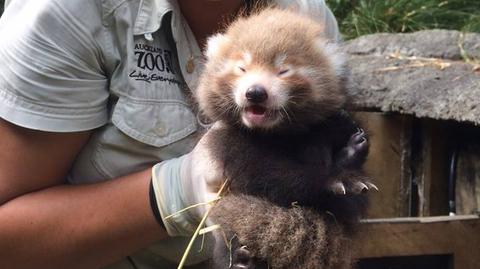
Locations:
154 122
140 134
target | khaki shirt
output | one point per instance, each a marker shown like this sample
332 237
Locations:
122 67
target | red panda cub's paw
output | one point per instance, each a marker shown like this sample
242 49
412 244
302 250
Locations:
352 156
354 153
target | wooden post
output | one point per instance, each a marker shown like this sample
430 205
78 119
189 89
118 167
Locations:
388 163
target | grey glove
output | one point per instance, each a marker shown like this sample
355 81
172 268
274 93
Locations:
192 179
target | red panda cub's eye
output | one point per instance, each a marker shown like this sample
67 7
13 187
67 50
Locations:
284 73
241 68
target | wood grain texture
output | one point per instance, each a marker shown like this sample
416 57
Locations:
458 236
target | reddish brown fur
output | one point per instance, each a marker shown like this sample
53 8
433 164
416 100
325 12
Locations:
300 43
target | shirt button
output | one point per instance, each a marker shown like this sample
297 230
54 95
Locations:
159 128
190 66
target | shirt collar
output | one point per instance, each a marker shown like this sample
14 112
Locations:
150 14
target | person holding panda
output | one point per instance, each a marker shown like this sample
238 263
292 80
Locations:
98 141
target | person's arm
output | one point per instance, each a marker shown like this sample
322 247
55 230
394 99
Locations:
45 224
53 78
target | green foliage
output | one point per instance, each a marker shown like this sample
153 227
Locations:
360 17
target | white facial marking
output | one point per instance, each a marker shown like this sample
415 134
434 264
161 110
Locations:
279 60
214 43
247 58
281 93
224 67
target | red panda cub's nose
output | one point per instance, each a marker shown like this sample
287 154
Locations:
256 94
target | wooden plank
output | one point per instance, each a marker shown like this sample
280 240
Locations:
468 180
388 163
465 139
431 167
458 236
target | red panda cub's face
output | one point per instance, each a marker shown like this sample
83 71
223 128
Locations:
272 70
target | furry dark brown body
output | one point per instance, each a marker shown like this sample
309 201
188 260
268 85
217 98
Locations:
294 167
280 207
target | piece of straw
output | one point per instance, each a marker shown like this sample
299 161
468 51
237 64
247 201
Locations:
209 229
190 207
197 231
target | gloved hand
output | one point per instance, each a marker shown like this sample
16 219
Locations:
178 183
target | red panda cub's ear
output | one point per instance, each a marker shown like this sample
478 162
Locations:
332 52
215 44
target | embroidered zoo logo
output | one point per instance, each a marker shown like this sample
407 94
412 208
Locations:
154 64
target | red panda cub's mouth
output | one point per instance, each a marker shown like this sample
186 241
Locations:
258 116
256 110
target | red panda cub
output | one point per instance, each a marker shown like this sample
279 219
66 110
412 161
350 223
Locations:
291 153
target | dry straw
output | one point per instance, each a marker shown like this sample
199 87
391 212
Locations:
199 229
